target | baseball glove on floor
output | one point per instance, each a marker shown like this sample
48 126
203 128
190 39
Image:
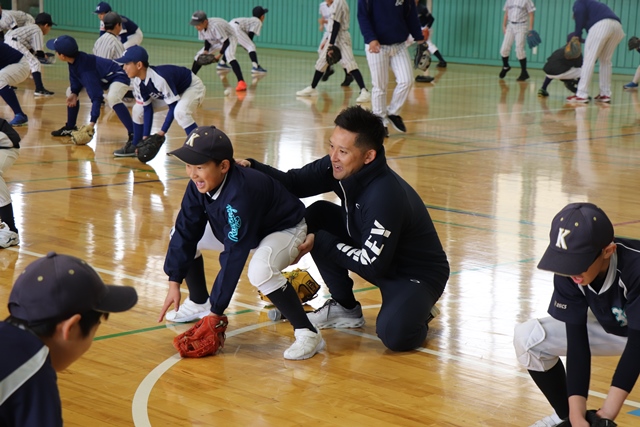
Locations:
533 39
83 135
595 421
148 148
333 55
422 58
305 286
205 338
573 49
206 59
633 43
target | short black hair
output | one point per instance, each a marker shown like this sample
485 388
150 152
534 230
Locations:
47 328
368 127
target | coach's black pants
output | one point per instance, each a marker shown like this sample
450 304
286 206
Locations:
406 305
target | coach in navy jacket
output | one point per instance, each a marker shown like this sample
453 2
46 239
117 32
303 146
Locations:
382 231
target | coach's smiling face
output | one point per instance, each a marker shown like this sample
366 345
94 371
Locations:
346 157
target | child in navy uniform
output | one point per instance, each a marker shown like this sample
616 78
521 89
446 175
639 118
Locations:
594 311
246 210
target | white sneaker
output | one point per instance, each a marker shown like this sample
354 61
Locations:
333 315
364 96
306 345
188 312
307 91
8 237
550 421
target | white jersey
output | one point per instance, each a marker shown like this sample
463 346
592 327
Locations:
7 22
325 12
21 18
108 46
30 36
518 10
218 30
248 25
340 13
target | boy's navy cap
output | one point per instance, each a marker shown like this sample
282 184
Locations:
65 45
59 286
102 7
198 18
133 54
43 19
258 11
578 234
111 19
204 144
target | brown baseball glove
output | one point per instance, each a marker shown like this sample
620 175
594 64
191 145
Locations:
633 43
305 286
83 135
148 148
205 338
206 59
334 55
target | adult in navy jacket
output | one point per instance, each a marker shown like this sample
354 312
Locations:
381 231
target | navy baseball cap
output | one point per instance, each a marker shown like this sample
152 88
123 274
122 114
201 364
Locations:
258 11
110 20
65 45
102 7
198 18
59 286
134 54
43 19
578 234
204 144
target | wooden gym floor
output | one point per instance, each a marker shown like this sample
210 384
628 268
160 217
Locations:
492 162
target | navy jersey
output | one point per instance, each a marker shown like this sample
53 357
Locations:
95 74
28 383
128 28
8 55
388 21
587 12
166 82
616 306
246 208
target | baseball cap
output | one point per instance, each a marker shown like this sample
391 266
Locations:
258 11
58 286
65 45
110 20
43 19
133 54
203 144
198 18
578 234
102 7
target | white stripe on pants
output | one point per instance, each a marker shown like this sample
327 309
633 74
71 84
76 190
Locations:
602 40
519 33
397 57
572 74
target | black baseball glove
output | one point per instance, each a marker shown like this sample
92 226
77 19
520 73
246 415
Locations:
595 421
333 55
634 43
422 58
148 148
206 59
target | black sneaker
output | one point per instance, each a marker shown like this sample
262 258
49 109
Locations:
424 79
504 72
524 76
64 131
397 123
43 92
347 80
442 64
127 150
571 85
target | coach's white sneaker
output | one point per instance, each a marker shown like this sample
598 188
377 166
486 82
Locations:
306 345
333 315
364 96
550 421
189 311
307 91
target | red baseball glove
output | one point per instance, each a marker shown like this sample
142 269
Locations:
205 338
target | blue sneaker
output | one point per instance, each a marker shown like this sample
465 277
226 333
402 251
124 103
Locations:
258 70
19 120
223 66
630 85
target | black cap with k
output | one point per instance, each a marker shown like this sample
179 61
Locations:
198 18
59 286
579 232
258 11
204 144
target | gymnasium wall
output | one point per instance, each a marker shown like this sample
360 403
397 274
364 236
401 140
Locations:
466 31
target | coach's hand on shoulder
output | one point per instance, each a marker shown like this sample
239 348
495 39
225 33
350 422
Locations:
305 247
173 297
243 162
